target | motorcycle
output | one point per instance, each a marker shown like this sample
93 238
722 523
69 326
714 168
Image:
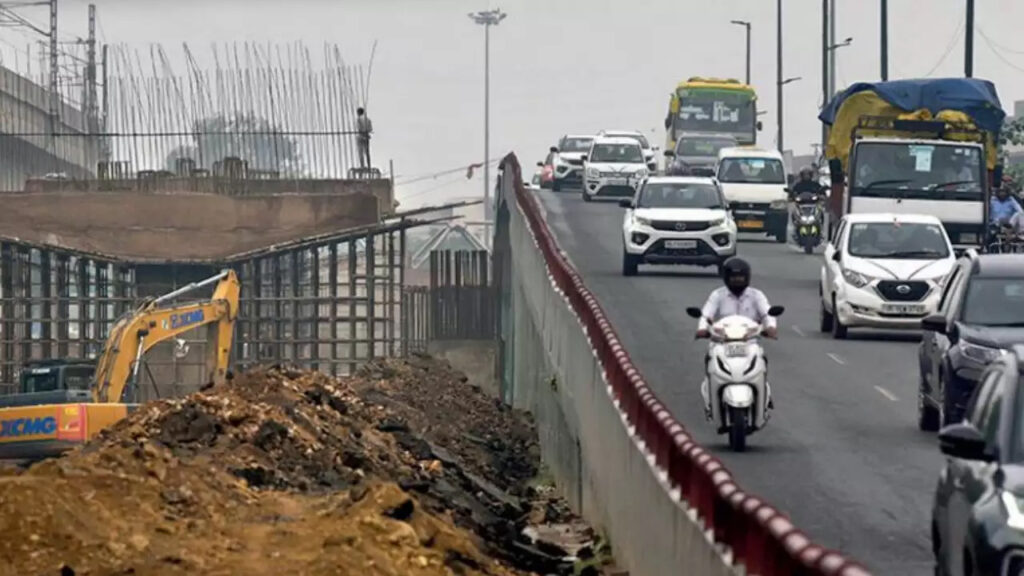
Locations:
807 224
736 377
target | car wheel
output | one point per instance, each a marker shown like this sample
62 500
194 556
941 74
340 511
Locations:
781 237
825 318
556 186
927 415
947 411
586 197
839 331
630 264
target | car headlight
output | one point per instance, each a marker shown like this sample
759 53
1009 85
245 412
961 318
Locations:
641 221
1014 514
856 279
982 354
641 173
593 173
777 204
716 223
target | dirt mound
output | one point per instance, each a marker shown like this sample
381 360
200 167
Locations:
403 469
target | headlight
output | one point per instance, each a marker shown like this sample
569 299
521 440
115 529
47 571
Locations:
857 279
807 219
777 204
593 173
982 354
641 221
716 223
1014 515
641 173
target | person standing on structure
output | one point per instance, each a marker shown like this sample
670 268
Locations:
365 128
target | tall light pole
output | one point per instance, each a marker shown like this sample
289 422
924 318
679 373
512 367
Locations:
746 25
781 84
885 40
487 19
825 96
969 41
832 73
778 70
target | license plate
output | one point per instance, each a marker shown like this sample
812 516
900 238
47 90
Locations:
903 309
736 350
750 224
617 182
680 244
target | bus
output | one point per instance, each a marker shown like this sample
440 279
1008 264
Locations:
712 106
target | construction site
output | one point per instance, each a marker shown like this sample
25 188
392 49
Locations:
149 208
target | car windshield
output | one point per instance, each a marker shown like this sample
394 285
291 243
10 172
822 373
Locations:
901 240
638 137
680 195
575 144
703 146
994 302
940 169
617 153
751 171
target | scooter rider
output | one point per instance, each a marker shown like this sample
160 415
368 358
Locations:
735 298
807 186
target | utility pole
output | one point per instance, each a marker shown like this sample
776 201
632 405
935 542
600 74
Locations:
778 72
885 40
54 65
832 53
969 41
746 25
487 19
91 108
105 141
825 96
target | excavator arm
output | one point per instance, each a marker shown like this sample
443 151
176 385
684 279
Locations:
152 323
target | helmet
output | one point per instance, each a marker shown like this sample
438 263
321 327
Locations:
736 275
807 172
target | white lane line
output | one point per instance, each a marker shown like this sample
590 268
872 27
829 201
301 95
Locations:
886 393
835 358
799 331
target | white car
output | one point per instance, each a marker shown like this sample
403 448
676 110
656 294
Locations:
883 271
649 156
613 167
677 220
754 181
567 162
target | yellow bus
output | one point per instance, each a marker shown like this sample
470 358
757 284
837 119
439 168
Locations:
706 106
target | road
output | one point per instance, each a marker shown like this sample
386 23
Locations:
842 455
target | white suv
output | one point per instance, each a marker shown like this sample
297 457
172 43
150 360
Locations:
613 167
883 271
638 137
677 220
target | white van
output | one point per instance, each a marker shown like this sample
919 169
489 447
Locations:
755 185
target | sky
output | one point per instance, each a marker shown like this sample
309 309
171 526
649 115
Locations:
561 66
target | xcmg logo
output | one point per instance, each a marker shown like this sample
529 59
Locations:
27 427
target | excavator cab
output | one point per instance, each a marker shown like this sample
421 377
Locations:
59 381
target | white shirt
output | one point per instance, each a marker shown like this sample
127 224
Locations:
721 303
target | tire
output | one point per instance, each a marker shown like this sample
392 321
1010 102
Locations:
947 412
839 331
825 318
927 415
780 238
737 429
808 249
556 186
630 264
586 197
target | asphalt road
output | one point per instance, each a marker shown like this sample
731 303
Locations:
842 455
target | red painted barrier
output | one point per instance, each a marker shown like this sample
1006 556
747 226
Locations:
761 538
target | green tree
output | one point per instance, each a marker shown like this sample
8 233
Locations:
249 137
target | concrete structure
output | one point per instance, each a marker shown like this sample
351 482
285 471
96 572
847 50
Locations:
29 147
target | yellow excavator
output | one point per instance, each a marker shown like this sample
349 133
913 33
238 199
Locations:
62 403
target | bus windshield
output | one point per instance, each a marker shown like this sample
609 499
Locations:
719 111
935 170
703 146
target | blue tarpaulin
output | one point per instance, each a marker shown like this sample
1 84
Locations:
974 97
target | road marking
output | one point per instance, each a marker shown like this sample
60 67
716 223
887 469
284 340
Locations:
799 331
836 358
886 393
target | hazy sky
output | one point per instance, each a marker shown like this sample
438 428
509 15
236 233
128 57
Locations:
570 65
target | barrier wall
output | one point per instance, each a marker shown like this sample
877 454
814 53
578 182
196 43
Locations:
618 455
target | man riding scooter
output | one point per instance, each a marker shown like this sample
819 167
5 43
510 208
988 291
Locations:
735 298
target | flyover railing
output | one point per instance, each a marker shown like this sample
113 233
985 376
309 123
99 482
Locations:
759 536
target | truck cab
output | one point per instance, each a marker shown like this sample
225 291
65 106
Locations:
62 381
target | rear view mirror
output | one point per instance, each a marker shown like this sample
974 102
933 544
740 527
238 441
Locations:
759 126
626 203
553 149
963 441
583 157
934 323
541 164
837 256
693 312
670 154
776 310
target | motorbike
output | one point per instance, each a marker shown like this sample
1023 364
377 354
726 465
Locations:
807 223
736 377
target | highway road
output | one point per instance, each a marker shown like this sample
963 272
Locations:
842 455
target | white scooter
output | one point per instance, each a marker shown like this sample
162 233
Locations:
737 377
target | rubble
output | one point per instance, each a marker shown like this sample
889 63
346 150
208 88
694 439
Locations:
402 469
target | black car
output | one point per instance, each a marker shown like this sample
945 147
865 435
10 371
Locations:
980 316
978 512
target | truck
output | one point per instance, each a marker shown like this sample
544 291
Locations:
917 147
64 402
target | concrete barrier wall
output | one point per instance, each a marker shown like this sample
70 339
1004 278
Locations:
618 455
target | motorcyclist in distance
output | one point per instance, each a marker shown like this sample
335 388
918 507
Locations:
736 298
807 186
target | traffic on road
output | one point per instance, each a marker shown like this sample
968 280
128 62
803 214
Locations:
904 315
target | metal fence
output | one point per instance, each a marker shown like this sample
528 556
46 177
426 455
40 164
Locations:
458 304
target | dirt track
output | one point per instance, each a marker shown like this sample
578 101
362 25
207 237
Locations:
404 469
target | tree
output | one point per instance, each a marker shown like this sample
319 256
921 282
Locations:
247 136
1012 134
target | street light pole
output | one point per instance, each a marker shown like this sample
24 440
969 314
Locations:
746 25
832 74
885 40
487 19
778 73
825 96
969 41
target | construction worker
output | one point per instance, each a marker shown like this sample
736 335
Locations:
365 128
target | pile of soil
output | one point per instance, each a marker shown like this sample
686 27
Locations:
401 469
